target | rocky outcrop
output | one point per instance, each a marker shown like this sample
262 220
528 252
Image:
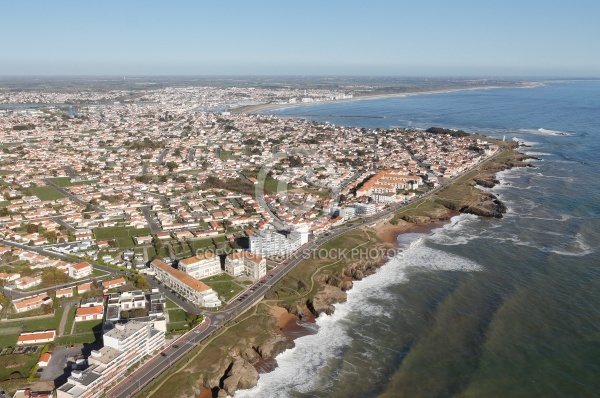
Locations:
325 299
274 346
241 375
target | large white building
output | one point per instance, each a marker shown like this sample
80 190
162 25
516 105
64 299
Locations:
198 293
80 270
201 266
246 263
124 346
278 243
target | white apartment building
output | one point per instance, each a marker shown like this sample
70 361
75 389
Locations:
80 270
246 263
364 209
124 345
276 243
198 293
201 266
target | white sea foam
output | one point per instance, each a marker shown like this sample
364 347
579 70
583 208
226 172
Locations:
298 368
543 131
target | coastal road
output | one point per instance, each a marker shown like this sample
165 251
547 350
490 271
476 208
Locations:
161 363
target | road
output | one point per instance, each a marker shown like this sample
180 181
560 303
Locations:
72 197
16 294
59 221
161 157
158 364
214 320
150 220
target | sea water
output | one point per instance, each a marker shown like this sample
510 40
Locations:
479 307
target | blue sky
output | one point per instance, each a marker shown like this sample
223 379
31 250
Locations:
403 38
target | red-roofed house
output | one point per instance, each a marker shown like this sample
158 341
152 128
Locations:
113 284
89 313
80 270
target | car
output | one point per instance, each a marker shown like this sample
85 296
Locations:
163 354
175 346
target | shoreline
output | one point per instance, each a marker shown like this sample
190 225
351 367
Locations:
254 109
292 327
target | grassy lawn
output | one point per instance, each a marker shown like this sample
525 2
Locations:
202 244
21 363
46 193
32 325
99 272
177 315
125 243
170 304
226 290
88 326
119 232
6 172
226 155
8 335
64 182
218 278
79 339
70 320
27 314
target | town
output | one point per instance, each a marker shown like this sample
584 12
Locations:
128 217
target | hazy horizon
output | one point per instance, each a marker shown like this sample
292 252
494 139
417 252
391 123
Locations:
385 38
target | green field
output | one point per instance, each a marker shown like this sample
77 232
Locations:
4 203
9 330
177 315
6 172
21 363
64 182
45 193
120 232
88 327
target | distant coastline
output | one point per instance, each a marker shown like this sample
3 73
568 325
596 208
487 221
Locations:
250 109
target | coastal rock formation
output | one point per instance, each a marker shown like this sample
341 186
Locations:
274 346
241 375
250 355
324 300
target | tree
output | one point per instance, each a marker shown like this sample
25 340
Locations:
53 276
172 166
31 228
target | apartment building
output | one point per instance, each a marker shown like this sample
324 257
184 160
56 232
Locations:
275 243
198 293
246 263
201 266
124 346
80 270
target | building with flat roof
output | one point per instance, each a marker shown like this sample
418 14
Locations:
198 293
124 346
276 243
246 263
201 266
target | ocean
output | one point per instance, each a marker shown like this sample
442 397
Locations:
480 307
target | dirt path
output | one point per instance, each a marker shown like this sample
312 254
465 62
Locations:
63 320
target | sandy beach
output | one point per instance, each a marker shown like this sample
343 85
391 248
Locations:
262 107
